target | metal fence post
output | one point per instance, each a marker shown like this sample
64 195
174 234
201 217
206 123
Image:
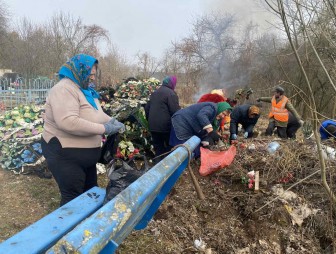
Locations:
23 91
29 96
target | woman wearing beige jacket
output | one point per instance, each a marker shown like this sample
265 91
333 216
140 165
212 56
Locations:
73 128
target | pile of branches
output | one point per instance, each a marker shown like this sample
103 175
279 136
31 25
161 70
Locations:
294 162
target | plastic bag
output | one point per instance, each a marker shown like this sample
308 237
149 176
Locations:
273 147
122 174
212 161
109 149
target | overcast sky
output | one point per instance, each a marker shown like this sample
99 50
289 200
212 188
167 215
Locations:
139 25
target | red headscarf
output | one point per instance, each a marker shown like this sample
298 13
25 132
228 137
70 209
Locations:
209 97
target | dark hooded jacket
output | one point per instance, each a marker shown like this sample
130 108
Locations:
192 120
162 105
240 115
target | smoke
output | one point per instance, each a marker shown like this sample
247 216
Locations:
230 78
224 72
245 11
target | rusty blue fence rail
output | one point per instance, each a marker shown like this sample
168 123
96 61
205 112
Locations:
40 236
104 230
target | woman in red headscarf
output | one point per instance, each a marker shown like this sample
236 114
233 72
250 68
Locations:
215 96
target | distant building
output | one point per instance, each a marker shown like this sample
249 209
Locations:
3 71
11 76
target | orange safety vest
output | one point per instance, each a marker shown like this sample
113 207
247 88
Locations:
279 111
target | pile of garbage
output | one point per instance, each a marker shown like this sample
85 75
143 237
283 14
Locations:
127 103
20 134
21 128
290 213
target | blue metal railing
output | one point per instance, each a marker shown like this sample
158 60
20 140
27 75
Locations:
132 209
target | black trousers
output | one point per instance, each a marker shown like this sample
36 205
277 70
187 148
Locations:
280 130
292 129
74 169
160 143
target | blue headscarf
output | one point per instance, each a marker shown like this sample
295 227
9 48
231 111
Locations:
78 69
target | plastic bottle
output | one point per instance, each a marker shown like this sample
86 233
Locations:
328 152
272 147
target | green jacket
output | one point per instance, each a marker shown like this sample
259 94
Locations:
289 106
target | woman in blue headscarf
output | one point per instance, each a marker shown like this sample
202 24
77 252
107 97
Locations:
73 125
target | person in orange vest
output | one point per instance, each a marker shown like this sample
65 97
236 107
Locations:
278 116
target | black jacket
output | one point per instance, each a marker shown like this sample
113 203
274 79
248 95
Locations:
162 105
240 115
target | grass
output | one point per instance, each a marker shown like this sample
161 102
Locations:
24 200
27 198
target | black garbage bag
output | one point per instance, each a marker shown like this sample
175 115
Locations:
109 148
121 174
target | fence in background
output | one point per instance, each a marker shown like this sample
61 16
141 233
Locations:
23 91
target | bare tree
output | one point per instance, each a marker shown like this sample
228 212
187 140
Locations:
3 30
75 36
171 62
305 15
216 45
147 65
114 67
36 50
27 51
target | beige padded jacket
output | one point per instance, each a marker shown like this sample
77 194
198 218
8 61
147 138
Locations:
71 118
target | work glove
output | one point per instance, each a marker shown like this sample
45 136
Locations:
246 134
301 122
214 136
122 127
205 143
258 100
233 136
112 126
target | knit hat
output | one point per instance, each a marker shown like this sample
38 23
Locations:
331 129
218 91
222 106
279 89
170 81
254 110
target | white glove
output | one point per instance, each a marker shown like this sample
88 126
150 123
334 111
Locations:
301 122
246 134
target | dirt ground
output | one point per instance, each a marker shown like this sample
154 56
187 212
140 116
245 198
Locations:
232 218
24 199
227 220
